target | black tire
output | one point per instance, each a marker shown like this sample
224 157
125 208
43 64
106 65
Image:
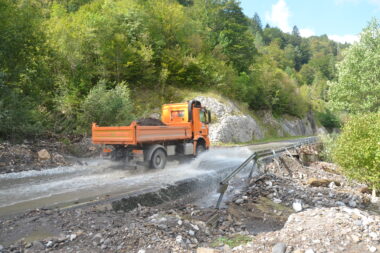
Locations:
158 160
118 154
200 149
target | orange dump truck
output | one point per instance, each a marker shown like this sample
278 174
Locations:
184 132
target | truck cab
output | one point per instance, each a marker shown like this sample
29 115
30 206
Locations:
190 112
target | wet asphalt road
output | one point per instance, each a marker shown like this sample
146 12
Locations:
100 179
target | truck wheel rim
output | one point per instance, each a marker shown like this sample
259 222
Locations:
158 160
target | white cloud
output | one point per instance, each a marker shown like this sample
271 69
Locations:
307 32
279 16
348 38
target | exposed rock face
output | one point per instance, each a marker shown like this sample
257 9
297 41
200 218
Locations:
218 108
292 126
296 126
233 126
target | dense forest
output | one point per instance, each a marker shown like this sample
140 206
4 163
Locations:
65 63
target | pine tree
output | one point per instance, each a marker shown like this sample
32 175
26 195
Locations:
256 24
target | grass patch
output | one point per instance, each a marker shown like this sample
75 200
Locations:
262 141
232 241
264 204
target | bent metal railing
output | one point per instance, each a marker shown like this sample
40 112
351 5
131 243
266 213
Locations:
256 157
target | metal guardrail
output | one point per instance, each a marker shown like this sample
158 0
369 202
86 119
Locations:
256 157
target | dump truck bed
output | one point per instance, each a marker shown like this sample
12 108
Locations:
134 134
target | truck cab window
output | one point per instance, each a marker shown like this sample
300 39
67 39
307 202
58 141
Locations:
177 115
203 117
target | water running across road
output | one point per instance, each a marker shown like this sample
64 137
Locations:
99 178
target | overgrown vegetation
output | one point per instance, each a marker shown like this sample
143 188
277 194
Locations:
53 54
357 94
357 89
358 149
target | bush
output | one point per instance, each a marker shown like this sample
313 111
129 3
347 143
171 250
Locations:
107 106
328 120
357 149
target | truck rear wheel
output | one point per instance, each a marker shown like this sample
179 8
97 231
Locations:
158 160
119 153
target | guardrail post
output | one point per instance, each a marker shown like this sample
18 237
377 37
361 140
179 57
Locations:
256 157
222 189
274 158
254 166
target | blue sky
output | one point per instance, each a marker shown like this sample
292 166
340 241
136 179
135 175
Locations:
341 20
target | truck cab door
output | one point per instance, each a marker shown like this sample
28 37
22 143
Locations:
200 122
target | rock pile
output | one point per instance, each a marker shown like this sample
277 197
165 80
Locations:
337 229
30 156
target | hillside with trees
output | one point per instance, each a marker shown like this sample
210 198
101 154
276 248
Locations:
57 58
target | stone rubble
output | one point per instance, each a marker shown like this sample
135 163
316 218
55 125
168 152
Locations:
43 154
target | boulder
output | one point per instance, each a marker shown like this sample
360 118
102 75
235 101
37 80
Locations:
279 248
58 158
43 155
315 182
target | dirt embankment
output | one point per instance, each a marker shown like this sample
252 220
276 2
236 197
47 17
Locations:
43 154
288 208
50 153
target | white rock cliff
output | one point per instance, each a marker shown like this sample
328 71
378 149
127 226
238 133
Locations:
231 125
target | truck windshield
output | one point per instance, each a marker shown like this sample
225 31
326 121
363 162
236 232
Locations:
203 116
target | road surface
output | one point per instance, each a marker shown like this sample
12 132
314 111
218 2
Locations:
99 179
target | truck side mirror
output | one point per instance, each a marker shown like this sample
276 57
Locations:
209 117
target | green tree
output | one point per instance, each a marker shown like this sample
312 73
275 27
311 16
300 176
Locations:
25 81
357 149
271 34
357 88
234 37
256 25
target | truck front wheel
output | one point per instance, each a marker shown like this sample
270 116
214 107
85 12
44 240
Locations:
158 160
200 149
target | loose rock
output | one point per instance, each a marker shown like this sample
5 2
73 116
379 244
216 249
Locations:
279 248
43 155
